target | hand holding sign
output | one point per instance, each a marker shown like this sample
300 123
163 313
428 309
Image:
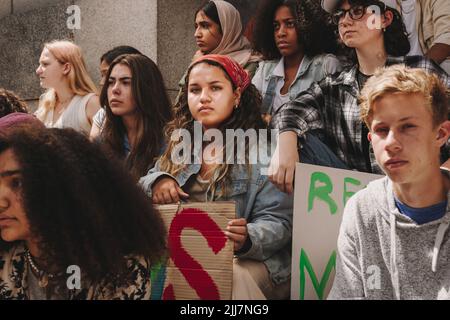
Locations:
237 232
201 255
167 191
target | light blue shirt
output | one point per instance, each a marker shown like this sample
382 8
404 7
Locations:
270 78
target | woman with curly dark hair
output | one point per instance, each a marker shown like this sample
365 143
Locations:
298 43
10 103
220 98
73 223
137 109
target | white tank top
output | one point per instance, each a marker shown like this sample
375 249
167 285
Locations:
73 117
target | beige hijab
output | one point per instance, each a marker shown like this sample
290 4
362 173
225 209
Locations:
233 43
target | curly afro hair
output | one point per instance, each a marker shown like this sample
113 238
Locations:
82 205
315 31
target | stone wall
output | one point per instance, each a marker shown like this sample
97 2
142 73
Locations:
104 24
21 38
161 29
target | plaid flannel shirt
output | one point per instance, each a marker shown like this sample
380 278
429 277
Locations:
331 108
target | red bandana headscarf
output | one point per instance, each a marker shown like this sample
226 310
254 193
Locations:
238 75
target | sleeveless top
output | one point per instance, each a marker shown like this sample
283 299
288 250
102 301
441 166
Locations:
73 117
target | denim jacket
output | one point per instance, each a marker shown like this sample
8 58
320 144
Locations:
311 70
267 210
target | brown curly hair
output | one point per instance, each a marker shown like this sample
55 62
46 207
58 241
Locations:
11 103
82 205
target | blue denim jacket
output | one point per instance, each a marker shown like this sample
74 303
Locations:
267 210
271 72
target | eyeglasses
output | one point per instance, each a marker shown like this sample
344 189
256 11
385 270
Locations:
356 13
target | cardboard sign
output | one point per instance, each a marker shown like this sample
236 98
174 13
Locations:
201 256
320 197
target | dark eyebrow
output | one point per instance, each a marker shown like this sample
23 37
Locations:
9 173
209 83
285 20
124 78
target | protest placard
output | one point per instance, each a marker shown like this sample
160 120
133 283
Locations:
320 197
201 256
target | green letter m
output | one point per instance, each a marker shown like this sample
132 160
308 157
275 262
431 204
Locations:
318 287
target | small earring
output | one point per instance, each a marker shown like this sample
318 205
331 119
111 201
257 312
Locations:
384 29
236 107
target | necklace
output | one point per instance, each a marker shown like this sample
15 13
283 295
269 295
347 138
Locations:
43 276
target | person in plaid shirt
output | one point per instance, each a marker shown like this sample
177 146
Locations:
326 117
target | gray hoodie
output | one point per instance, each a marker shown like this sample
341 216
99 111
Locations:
383 254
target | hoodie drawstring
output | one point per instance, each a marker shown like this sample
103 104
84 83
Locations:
394 269
443 227
438 242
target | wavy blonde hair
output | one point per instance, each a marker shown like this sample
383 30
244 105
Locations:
399 79
80 83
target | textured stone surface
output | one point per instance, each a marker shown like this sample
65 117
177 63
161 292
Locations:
176 43
5 8
104 24
161 29
32 105
109 23
21 40
21 6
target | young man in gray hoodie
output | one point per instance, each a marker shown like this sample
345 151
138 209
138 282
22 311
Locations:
394 241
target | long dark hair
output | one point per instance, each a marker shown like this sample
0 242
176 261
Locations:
315 31
153 108
246 116
82 206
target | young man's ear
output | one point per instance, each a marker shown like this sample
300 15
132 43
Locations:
369 137
443 133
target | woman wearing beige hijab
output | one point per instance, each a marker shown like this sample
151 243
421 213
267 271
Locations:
232 42
218 30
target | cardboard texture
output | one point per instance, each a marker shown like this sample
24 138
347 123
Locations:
201 256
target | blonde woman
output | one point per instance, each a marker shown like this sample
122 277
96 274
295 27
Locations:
70 100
